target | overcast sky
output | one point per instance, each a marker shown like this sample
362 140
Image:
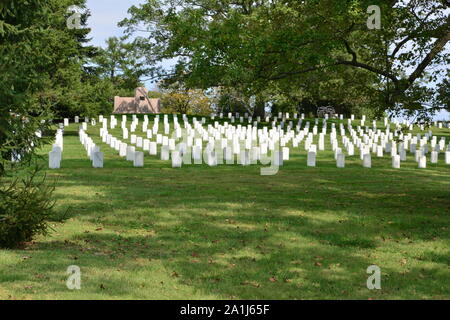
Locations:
105 14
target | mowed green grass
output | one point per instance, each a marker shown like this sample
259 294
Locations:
227 232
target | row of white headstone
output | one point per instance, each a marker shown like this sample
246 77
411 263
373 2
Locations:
165 141
286 116
271 138
92 150
368 141
282 117
126 151
396 160
386 142
179 155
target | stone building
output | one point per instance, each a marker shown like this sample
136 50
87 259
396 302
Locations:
140 103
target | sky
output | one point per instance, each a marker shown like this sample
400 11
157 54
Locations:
105 14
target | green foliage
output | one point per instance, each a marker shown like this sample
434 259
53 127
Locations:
40 55
113 71
25 209
443 96
21 134
300 48
231 101
37 51
120 62
177 99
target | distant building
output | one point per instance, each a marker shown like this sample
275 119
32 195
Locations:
140 103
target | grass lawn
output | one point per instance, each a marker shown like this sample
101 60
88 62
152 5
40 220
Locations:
227 232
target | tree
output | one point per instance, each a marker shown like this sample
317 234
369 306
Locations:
37 53
60 55
120 62
178 99
36 49
266 44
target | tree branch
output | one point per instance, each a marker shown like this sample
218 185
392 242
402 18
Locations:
354 62
439 45
370 68
350 50
399 46
288 74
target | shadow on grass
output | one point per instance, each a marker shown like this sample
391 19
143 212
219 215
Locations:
305 233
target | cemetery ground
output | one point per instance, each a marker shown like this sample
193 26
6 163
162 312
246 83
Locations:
226 232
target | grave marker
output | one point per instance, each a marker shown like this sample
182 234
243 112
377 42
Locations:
54 159
311 161
340 160
396 162
97 159
138 159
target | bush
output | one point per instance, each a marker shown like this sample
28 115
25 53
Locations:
25 209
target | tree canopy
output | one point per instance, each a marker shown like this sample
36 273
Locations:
291 46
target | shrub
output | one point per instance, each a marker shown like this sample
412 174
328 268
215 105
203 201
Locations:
25 209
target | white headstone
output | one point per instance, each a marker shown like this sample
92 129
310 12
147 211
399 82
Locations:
447 157
153 150
367 160
123 150
197 154
165 153
311 161
277 158
211 158
146 145
54 159
396 162
244 158
422 162
130 153
138 159
97 159
176 159
379 151
340 160
403 155
434 157
285 153
139 142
